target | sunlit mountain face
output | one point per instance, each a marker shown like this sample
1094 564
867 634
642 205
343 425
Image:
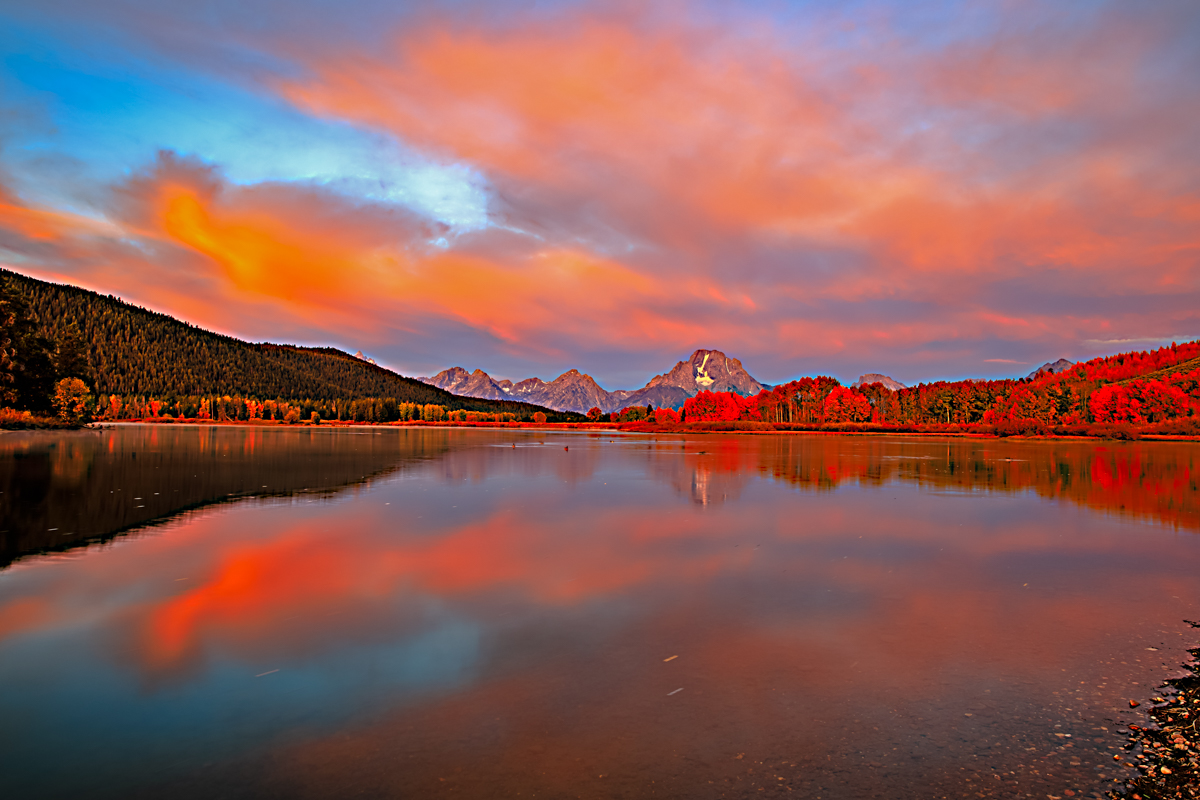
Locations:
929 191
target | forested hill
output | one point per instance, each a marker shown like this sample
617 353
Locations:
132 351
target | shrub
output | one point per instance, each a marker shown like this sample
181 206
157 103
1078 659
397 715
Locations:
72 399
1021 427
1179 427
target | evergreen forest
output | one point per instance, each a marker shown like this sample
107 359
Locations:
130 357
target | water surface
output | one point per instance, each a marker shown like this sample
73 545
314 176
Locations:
258 612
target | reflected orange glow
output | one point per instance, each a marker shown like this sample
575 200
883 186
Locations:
895 666
252 588
543 607
303 571
24 614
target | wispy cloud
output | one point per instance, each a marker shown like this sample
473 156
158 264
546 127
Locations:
1141 340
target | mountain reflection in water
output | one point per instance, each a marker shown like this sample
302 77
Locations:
437 612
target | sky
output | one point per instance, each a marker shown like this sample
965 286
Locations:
929 190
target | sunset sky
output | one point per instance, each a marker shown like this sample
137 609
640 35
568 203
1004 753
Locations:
925 189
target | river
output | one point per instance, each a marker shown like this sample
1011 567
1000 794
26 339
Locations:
244 612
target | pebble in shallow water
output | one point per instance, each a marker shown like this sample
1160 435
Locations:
1167 756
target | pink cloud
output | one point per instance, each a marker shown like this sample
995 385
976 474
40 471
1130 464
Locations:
662 183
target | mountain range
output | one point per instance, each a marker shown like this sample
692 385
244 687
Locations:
709 370
133 351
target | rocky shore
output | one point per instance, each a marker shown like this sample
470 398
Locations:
1166 753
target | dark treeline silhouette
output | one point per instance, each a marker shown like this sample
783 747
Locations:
139 355
69 489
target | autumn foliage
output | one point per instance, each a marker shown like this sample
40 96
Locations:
1132 389
718 407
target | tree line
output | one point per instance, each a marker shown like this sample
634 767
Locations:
248 409
1131 389
82 355
53 332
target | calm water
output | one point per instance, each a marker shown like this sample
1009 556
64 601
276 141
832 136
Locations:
437 613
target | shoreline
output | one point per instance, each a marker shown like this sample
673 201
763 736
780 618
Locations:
752 428
1168 754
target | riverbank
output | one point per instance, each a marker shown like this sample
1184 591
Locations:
1168 754
1162 432
11 420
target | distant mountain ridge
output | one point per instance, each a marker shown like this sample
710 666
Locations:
709 370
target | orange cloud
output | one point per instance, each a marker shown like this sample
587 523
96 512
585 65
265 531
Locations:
659 184
266 245
263 255
732 131
43 225
40 225
684 129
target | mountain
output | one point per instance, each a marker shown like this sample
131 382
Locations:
571 391
576 391
1051 368
709 370
132 351
457 380
661 396
526 388
875 377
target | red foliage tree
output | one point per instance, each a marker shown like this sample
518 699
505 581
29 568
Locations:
1023 403
846 405
1159 401
666 416
714 407
1113 403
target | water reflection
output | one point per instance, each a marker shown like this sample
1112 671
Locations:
486 619
62 490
